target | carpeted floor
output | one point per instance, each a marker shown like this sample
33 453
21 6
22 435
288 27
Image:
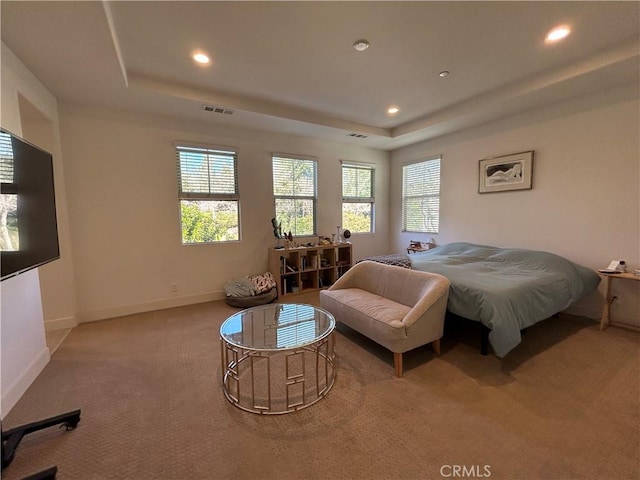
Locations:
563 405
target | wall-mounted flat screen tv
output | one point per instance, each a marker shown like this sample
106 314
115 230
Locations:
28 227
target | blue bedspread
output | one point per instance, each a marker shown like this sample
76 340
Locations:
506 289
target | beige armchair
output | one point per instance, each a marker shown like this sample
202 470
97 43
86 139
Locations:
399 308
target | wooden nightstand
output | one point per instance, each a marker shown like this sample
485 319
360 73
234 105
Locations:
605 321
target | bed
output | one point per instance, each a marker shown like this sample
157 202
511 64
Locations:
506 289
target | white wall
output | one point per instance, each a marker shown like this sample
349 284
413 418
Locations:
23 350
123 205
57 284
584 204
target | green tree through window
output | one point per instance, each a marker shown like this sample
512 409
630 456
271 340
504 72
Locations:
208 192
357 198
295 194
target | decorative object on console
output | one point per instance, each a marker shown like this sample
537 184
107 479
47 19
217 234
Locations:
615 266
506 173
288 240
277 231
418 246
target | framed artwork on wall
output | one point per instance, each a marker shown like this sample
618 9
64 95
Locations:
506 173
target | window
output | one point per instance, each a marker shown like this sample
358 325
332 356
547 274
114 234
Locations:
208 193
357 198
421 196
295 192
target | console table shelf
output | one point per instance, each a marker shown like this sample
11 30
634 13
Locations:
304 269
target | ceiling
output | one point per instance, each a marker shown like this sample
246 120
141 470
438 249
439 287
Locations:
290 66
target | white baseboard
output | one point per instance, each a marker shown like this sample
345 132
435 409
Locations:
618 320
60 324
626 325
11 396
161 304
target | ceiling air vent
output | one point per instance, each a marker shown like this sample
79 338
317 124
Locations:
214 109
356 135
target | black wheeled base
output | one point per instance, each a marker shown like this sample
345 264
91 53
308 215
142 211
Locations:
48 474
12 438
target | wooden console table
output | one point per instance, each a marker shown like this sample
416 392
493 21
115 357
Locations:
309 268
605 321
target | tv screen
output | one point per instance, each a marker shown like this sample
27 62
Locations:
28 227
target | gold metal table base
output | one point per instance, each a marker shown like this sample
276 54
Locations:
277 382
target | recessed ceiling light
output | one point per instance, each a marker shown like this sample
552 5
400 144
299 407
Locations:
558 33
201 58
361 45
393 110
444 73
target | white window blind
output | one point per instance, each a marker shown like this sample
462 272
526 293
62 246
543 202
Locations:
421 196
208 193
295 194
205 173
357 197
296 324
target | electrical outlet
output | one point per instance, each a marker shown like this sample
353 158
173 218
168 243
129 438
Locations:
174 287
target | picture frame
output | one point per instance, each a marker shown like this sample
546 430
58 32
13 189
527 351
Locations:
506 173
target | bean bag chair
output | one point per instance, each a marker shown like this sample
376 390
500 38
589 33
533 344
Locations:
249 292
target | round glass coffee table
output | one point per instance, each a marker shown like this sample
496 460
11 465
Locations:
277 358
